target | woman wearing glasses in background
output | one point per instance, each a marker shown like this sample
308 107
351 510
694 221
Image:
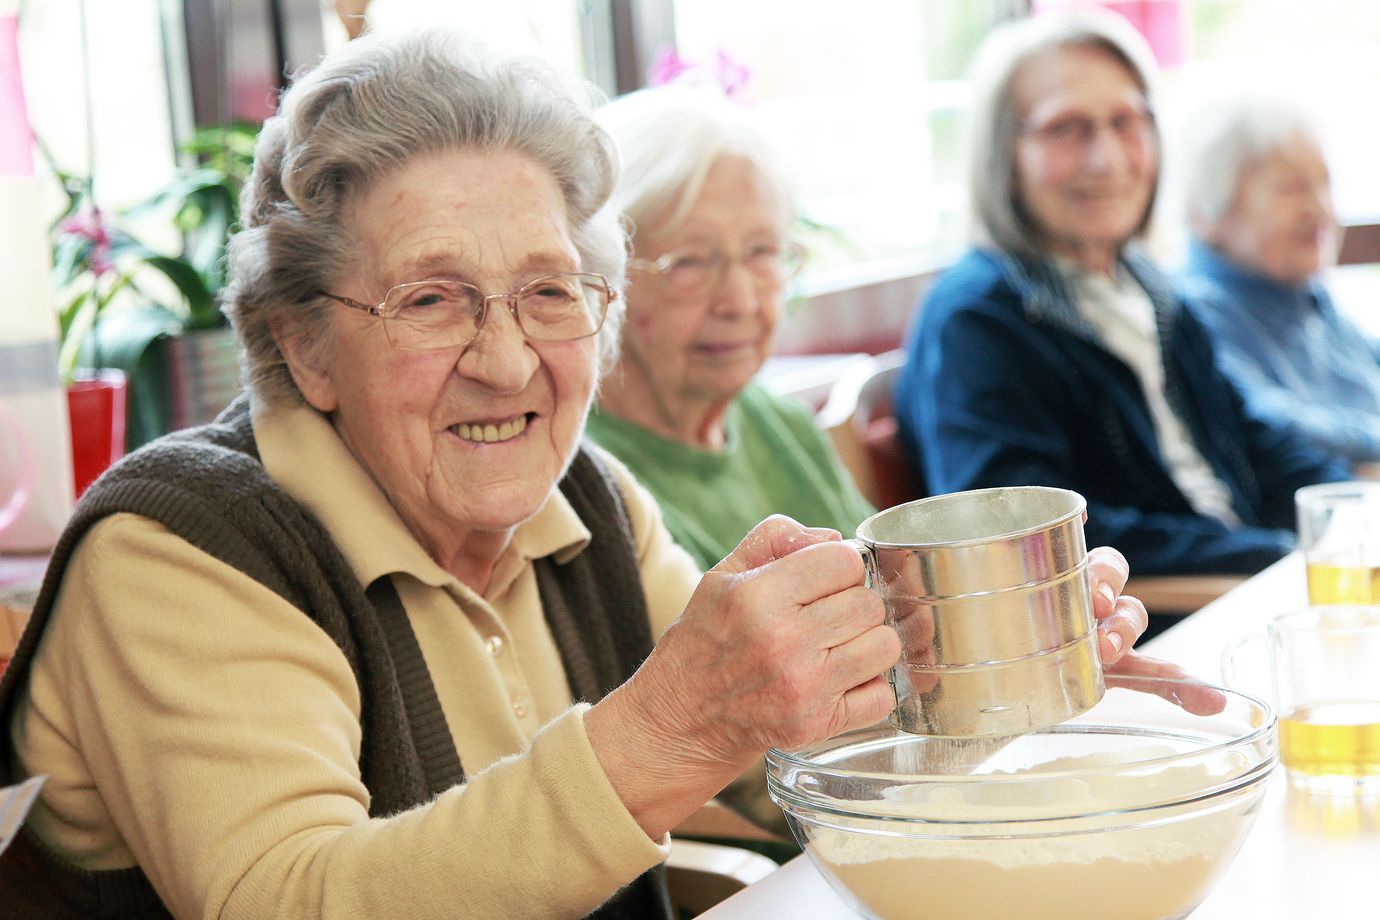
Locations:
1056 354
711 220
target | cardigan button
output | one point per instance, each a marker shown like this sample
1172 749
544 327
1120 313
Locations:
495 646
519 707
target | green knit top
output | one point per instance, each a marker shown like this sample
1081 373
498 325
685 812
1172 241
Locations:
775 462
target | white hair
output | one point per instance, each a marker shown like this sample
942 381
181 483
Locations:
668 138
998 215
1224 138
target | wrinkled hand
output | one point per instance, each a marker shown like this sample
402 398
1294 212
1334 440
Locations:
1197 698
1120 621
780 646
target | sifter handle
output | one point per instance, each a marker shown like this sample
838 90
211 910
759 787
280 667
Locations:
869 558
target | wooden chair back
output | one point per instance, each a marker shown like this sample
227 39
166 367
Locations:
859 420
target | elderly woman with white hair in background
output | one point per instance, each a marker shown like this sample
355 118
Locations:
1258 195
1055 353
711 216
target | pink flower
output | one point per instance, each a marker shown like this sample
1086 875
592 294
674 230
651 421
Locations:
90 225
732 75
668 68
726 74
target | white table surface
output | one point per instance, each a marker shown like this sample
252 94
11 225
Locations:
1306 857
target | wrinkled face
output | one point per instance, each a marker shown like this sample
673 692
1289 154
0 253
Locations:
472 437
1281 222
1086 162
707 345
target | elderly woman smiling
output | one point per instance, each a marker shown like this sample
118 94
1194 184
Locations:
712 216
1259 199
379 642
1055 353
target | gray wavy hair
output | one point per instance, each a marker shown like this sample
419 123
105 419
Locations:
1226 137
364 112
995 120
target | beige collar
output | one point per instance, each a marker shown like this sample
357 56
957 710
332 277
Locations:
302 453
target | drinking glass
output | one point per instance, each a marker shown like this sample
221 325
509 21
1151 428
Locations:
1339 532
16 468
1325 669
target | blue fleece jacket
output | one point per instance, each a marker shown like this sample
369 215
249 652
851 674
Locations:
1296 360
1006 383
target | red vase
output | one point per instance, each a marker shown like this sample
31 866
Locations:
96 408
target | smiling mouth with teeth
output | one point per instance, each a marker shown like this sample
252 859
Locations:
489 434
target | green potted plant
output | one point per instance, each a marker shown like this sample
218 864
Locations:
152 315
93 265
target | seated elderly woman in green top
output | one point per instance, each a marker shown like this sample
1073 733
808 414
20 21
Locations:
711 219
379 642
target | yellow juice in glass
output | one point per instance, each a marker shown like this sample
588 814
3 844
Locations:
1332 738
1329 583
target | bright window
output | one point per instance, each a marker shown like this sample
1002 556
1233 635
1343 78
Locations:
866 107
870 106
550 29
132 151
1323 52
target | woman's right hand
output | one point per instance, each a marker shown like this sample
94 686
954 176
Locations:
780 646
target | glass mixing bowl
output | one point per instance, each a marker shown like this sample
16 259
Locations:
1130 810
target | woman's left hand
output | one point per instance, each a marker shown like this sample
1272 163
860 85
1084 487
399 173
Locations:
1120 621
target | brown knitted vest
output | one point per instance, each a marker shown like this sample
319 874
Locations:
208 486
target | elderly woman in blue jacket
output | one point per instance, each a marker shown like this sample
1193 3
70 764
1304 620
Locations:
1259 200
1055 353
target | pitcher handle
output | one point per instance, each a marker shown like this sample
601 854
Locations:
1229 673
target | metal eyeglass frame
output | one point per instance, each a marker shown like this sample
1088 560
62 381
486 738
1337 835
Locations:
510 297
663 264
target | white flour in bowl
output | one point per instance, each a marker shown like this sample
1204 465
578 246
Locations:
1096 869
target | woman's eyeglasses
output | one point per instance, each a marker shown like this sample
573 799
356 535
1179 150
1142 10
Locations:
694 272
424 315
1076 133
